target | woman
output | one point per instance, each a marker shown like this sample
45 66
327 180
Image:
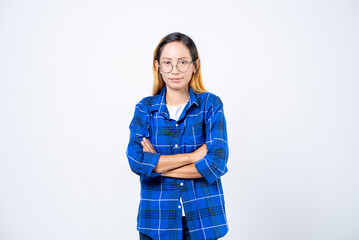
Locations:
178 146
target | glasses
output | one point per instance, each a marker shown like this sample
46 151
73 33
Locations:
182 66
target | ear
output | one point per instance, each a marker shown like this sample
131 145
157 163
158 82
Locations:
197 65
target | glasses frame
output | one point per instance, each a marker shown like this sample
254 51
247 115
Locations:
176 66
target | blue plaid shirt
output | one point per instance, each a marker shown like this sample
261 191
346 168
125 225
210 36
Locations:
202 121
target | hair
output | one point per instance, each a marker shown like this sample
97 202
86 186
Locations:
196 80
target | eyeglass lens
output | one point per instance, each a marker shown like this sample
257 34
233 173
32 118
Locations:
182 66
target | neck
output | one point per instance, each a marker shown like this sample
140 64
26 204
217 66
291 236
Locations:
177 97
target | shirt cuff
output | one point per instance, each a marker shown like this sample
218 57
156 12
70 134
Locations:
205 170
150 160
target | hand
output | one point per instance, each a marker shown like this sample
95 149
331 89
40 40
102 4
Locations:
147 146
199 153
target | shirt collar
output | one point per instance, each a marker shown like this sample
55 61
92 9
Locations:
159 101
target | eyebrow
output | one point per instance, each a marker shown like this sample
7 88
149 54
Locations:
171 58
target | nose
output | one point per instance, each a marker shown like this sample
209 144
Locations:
175 70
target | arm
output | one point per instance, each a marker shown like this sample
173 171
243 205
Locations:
179 163
188 171
214 164
169 162
141 163
146 162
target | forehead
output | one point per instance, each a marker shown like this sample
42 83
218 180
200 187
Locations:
175 50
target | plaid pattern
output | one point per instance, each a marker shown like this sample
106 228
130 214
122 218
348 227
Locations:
202 121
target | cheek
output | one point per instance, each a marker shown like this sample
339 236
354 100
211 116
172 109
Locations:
164 77
189 76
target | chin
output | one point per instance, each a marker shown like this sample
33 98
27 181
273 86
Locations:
177 86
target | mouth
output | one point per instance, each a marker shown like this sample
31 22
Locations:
176 79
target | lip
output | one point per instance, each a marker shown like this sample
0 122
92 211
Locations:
175 79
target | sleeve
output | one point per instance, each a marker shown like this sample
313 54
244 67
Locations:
141 163
214 164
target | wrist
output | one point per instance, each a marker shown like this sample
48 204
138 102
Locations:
191 158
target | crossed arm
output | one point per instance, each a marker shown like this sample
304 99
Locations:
177 165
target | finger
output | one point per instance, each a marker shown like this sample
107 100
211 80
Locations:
145 142
152 148
149 145
145 148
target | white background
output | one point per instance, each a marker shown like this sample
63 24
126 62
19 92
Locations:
72 71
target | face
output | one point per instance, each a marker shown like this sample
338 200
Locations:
174 52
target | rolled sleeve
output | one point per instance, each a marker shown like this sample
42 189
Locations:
142 163
214 164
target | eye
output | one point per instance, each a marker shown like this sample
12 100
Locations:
166 62
182 62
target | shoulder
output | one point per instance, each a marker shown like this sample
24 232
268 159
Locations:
146 103
209 99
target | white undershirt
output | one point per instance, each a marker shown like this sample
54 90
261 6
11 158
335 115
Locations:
175 113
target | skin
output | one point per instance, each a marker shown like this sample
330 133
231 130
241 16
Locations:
177 165
177 92
180 165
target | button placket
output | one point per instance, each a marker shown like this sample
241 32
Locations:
181 199
175 137
176 145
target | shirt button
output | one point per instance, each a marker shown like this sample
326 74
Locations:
181 184
179 206
176 145
176 125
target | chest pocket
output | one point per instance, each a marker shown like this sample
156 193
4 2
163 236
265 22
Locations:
195 135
